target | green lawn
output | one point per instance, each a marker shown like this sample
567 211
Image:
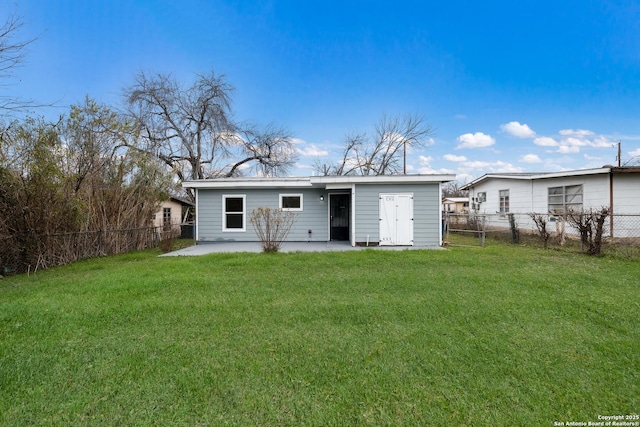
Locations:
503 335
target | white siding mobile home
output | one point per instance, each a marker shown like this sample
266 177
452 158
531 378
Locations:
553 193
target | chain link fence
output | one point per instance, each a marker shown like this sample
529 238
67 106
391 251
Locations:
27 252
620 232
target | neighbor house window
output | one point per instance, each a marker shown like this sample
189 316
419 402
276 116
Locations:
291 202
565 199
504 201
482 197
166 217
233 213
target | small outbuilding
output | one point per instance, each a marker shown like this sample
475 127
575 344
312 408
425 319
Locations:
394 210
173 214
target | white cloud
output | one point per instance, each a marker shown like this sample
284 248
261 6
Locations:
475 140
603 142
518 130
497 166
578 133
573 142
545 141
429 170
312 150
568 149
454 158
531 158
425 160
635 153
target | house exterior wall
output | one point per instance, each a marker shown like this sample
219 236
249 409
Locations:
626 193
519 195
427 224
531 195
313 217
426 212
176 214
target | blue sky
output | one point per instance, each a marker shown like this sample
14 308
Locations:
509 86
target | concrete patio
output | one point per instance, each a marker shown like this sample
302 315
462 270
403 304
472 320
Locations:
229 247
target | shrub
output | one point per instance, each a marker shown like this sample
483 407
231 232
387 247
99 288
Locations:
272 226
541 225
590 224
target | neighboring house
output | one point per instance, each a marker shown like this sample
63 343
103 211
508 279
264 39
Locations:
172 213
456 205
617 188
400 210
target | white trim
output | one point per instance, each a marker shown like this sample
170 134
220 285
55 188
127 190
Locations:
244 213
380 179
196 222
300 195
238 183
328 182
536 176
440 212
353 215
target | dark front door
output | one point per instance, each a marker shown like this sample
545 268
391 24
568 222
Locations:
339 208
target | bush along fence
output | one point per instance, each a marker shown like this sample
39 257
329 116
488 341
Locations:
26 252
594 231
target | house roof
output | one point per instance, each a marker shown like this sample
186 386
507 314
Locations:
316 181
456 199
546 175
181 201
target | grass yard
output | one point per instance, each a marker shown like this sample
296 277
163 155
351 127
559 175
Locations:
497 336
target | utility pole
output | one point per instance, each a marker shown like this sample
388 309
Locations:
619 152
404 150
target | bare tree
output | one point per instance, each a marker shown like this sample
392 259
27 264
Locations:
384 153
541 224
590 224
270 149
12 53
454 189
191 129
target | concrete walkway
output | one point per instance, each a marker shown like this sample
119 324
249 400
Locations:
226 247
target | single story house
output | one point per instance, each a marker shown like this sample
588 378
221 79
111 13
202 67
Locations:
400 210
456 205
172 213
555 193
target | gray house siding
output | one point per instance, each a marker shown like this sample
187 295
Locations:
426 212
313 216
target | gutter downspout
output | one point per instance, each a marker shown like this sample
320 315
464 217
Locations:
353 215
611 203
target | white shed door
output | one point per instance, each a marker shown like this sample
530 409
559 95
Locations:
396 219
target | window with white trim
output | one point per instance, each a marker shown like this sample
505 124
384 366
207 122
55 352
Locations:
504 201
233 212
291 202
564 199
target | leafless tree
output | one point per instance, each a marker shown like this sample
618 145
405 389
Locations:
383 153
12 54
269 150
590 224
192 131
541 224
454 189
